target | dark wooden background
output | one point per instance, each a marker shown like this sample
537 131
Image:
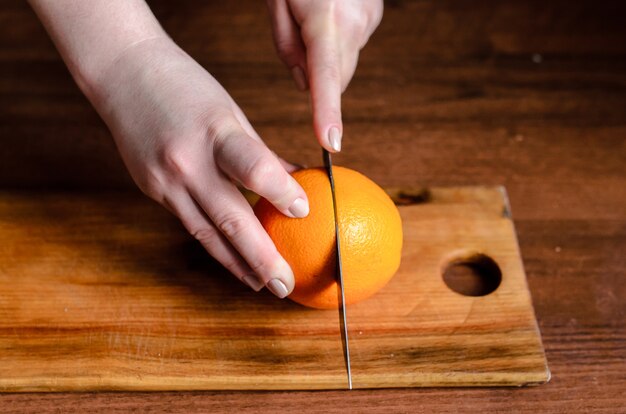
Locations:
531 95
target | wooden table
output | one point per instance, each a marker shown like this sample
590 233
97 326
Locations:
529 95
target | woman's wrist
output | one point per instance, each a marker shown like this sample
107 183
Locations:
91 35
128 71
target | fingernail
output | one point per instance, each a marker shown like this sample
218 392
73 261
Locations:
278 288
334 137
253 282
299 208
298 77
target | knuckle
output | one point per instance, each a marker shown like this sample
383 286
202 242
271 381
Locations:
233 225
219 134
150 184
221 123
287 50
258 268
259 173
175 160
329 8
329 113
205 235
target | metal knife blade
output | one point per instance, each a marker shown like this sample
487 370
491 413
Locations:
343 321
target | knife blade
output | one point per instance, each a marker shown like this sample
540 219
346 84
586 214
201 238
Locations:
341 297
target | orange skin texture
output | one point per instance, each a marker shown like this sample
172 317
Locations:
370 231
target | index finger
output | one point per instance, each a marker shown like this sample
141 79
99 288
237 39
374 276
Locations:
324 68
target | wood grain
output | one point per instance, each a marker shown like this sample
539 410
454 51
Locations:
95 297
446 93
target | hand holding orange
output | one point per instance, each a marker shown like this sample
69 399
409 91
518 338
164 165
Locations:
370 231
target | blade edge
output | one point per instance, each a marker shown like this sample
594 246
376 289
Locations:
343 321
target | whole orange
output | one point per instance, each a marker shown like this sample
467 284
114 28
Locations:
370 232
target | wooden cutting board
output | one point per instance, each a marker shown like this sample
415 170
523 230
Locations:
108 292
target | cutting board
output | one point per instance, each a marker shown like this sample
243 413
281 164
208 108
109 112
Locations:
108 292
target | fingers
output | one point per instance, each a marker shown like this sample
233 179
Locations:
252 164
198 225
231 214
288 42
326 36
324 69
220 218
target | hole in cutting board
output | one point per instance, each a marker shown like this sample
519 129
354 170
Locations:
476 275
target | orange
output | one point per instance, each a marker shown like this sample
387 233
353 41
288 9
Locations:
370 235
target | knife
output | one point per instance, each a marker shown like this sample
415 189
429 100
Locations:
343 322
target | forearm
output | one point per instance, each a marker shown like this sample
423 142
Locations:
91 35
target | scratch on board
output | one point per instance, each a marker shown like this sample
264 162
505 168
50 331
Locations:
467 316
